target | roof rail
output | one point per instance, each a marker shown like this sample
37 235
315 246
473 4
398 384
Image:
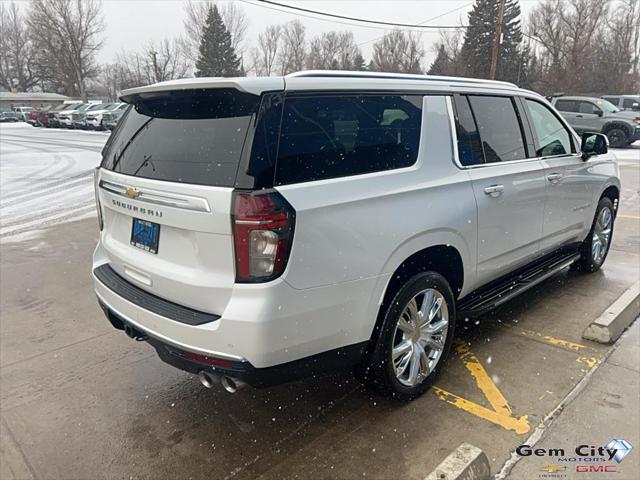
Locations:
397 76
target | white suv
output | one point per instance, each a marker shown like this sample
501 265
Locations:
257 230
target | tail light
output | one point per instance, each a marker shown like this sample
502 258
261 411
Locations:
96 187
263 224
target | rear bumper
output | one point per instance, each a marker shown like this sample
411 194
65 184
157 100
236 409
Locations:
334 360
265 325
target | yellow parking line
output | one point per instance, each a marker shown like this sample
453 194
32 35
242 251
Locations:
590 361
635 217
519 425
557 342
484 382
501 414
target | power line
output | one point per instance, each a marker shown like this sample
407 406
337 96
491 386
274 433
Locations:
424 21
376 24
380 23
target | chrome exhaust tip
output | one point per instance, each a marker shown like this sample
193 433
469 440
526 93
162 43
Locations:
207 379
232 385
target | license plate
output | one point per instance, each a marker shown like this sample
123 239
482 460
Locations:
145 235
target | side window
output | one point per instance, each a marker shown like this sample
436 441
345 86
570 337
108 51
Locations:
566 105
552 138
499 128
613 100
588 108
336 136
630 103
469 144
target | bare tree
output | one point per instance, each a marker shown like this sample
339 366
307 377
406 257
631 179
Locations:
18 66
398 51
547 28
264 56
334 51
293 51
196 12
157 62
67 36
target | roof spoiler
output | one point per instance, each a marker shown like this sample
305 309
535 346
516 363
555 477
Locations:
251 85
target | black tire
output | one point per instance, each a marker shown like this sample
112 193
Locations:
618 137
378 370
587 262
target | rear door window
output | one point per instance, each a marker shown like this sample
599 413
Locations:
567 105
469 144
499 128
193 136
340 135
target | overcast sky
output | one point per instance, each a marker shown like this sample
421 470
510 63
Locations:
132 23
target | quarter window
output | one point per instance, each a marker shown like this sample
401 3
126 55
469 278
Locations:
552 138
499 128
335 136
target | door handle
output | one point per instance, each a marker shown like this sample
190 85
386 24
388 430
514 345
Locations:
554 177
578 116
494 190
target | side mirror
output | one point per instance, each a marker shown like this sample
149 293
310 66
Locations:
599 113
593 144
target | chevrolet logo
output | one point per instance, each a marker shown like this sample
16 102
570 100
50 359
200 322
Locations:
554 468
133 192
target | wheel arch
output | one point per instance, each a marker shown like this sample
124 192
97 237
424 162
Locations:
612 192
444 258
617 124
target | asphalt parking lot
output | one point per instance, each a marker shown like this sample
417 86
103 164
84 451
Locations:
81 400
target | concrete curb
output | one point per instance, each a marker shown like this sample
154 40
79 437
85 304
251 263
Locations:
615 319
465 463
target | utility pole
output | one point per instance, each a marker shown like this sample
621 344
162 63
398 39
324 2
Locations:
496 41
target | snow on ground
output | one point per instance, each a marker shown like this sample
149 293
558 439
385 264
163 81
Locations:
46 178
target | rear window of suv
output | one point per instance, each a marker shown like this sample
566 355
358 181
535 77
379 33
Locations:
331 136
192 136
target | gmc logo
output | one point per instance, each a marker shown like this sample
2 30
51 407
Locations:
595 468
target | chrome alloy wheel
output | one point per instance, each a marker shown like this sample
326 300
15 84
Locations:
601 235
420 336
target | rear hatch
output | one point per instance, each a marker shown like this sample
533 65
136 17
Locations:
165 188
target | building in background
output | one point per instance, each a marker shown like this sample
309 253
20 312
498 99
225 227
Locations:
30 99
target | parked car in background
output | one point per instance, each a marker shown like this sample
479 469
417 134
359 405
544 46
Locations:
22 113
95 117
65 116
8 115
79 117
111 119
257 230
590 114
53 119
624 102
32 117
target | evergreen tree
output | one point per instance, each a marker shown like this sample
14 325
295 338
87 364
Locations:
358 62
216 57
440 65
478 41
